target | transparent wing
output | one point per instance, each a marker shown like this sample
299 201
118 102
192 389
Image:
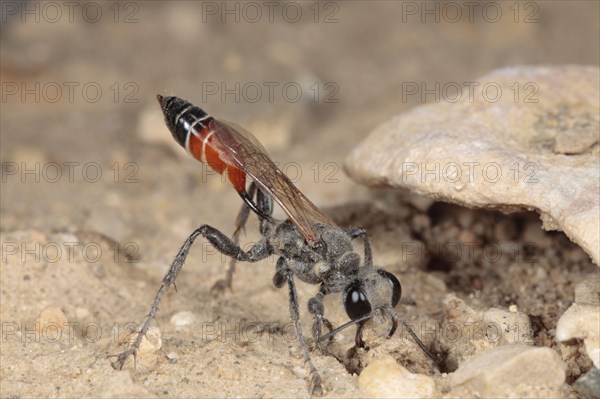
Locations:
248 154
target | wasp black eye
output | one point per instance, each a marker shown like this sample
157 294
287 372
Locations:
396 287
356 302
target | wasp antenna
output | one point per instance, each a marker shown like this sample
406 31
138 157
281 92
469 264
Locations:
344 326
395 316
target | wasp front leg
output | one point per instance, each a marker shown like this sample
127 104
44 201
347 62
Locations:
315 307
355 232
284 275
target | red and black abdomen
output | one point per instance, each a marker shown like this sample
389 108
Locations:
200 134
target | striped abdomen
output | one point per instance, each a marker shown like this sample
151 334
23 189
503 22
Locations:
202 136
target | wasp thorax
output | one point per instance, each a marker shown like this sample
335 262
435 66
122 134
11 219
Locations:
336 243
323 269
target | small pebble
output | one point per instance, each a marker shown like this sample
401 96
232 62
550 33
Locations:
385 378
150 343
581 322
497 372
50 322
183 318
513 327
588 385
172 356
82 313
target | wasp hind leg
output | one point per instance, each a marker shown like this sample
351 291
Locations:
256 208
263 209
223 244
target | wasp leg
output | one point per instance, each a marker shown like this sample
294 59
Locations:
315 387
355 232
315 307
264 209
221 285
358 338
393 328
242 217
223 244
261 212
265 204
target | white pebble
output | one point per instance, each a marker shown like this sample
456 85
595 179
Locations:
82 313
50 323
497 372
581 322
150 343
183 318
385 378
513 326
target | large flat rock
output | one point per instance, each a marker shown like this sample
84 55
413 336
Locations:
525 138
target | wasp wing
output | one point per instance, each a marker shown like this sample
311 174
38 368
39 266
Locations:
248 154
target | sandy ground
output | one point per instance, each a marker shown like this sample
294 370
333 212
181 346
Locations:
96 198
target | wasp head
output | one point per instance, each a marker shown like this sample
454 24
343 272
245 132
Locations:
373 291
373 295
